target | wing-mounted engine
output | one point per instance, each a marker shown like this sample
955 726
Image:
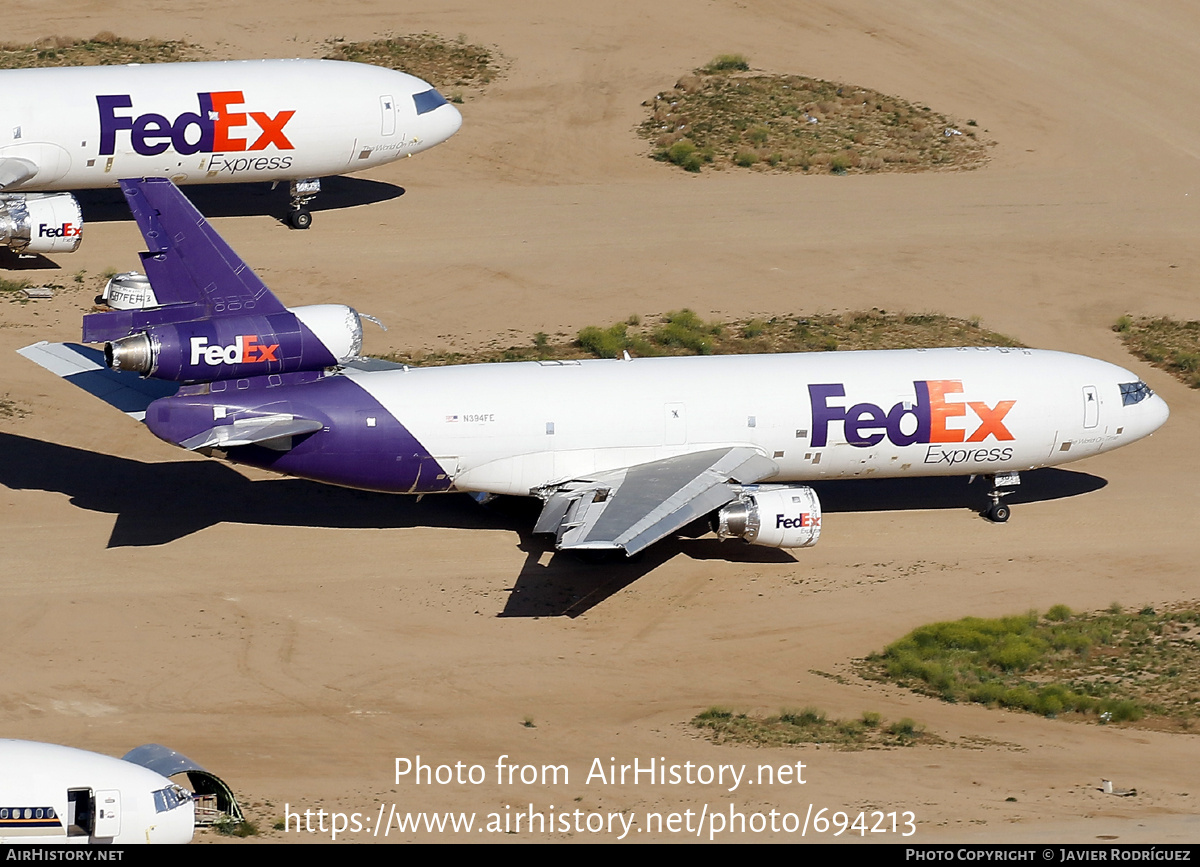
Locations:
35 223
773 516
236 347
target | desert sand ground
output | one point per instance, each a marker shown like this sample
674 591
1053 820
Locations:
298 639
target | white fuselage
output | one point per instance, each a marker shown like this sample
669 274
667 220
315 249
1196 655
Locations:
514 428
214 122
55 794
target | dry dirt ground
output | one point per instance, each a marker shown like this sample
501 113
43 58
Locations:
297 640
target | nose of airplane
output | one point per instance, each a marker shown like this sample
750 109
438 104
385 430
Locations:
1145 417
452 119
439 124
1158 413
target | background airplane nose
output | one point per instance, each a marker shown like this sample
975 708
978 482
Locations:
450 119
1159 412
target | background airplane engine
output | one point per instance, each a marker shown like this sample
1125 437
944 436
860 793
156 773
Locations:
40 224
776 517
235 347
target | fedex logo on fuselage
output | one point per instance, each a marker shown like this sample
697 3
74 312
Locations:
216 128
245 349
932 418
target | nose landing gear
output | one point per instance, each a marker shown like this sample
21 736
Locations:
302 192
997 512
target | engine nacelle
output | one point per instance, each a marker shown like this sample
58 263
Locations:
236 347
129 291
775 516
35 223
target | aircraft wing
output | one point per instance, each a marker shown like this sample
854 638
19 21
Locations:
84 367
194 273
15 170
632 508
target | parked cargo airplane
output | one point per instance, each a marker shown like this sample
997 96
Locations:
54 794
220 122
622 452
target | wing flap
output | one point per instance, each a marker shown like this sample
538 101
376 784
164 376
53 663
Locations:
632 508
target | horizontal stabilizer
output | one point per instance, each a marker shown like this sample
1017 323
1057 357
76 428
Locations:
631 509
115 324
248 431
84 367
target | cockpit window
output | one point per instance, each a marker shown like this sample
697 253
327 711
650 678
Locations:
170 798
1134 392
428 100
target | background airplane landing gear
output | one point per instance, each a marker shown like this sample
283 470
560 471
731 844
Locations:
997 512
302 192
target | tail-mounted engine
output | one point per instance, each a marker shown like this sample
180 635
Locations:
234 347
773 516
34 223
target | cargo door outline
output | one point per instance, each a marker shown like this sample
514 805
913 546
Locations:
1091 407
387 111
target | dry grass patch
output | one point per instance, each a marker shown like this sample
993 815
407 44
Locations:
442 62
103 49
809 726
1167 343
723 117
682 332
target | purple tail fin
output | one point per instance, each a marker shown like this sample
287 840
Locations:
194 273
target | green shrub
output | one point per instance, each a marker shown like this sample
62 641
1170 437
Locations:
604 342
683 154
727 63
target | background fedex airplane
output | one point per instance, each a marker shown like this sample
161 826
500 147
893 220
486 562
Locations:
220 122
622 452
54 794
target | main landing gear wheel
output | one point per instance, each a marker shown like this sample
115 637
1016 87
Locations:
998 513
302 192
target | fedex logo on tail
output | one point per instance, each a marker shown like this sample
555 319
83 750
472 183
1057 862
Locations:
217 127
245 349
934 417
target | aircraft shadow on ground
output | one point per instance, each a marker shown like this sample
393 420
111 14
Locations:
10 260
243 200
157 503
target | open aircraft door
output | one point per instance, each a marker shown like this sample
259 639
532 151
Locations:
108 813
